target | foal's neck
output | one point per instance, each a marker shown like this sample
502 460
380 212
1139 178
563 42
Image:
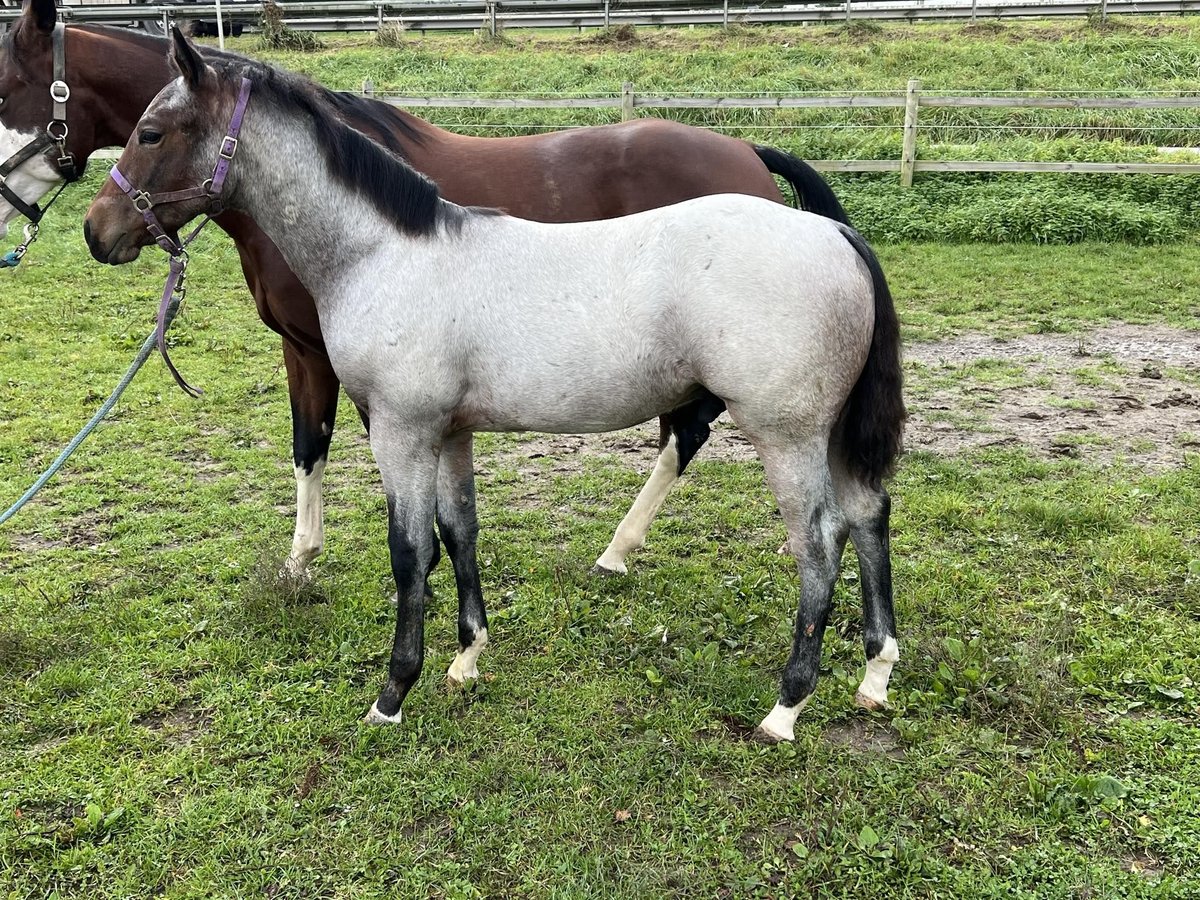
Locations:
284 184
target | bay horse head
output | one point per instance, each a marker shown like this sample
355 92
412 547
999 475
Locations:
31 138
174 165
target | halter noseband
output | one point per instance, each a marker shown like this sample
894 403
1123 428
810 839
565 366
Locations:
211 189
55 135
145 202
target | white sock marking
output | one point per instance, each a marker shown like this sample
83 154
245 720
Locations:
780 721
309 537
631 533
463 668
879 670
375 717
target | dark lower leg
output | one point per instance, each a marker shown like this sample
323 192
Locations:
822 540
411 551
872 543
460 531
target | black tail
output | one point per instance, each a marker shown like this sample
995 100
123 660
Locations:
812 193
873 420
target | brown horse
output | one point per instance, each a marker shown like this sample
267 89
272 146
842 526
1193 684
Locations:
568 176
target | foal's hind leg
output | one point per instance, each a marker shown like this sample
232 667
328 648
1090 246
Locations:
313 389
868 510
800 479
460 531
683 433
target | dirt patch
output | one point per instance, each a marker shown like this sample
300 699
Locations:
180 725
1142 863
863 736
1123 393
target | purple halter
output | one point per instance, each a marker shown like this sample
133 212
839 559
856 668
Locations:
211 189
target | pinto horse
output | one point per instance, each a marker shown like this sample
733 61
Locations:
569 176
442 321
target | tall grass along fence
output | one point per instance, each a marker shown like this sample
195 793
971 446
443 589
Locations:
493 15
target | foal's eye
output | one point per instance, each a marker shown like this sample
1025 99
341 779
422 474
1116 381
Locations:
149 137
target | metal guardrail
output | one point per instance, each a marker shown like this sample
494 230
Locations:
431 15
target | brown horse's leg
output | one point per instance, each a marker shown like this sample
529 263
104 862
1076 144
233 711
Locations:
313 388
682 433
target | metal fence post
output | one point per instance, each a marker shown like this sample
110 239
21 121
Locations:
908 152
627 101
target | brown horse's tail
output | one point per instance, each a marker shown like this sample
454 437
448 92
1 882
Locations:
872 422
811 191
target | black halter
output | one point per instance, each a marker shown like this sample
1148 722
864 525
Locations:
55 135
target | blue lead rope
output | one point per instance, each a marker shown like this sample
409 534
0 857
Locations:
148 347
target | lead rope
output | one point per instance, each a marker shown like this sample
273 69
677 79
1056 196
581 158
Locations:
169 311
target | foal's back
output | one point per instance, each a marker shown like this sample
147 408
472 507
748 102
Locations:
601 325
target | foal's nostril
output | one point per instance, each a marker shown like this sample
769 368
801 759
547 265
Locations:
93 242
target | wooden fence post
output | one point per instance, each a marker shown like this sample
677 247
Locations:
627 101
908 152
368 87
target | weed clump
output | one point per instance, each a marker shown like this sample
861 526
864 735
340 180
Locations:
391 35
614 36
276 35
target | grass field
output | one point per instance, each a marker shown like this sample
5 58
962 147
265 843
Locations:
175 722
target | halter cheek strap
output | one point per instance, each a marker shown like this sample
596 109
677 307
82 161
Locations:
211 189
55 135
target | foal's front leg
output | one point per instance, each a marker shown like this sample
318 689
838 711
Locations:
459 529
313 390
409 466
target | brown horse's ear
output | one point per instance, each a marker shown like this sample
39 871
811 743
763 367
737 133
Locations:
186 58
43 15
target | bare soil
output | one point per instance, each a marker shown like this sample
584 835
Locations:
1125 393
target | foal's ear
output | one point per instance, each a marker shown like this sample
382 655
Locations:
43 14
186 58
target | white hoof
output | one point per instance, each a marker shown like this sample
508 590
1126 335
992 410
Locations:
375 717
779 725
862 701
606 565
464 668
873 692
457 678
294 569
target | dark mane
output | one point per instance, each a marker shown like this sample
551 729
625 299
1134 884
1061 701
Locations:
402 195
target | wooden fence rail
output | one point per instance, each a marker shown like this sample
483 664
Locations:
911 100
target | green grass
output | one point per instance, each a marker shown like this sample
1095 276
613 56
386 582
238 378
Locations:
174 722
1153 54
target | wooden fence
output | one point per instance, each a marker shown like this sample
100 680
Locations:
912 100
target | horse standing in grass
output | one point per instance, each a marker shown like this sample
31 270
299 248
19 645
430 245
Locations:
442 321
568 176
